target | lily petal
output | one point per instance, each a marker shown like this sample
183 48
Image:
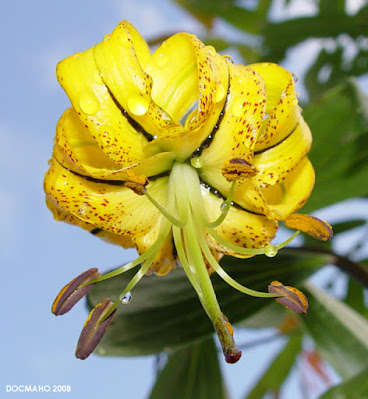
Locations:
282 113
96 108
64 216
76 150
131 86
282 158
238 129
240 227
289 196
112 208
179 91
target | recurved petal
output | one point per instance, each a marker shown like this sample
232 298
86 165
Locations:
61 215
197 77
239 124
274 164
92 101
240 227
282 111
290 195
78 151
129 85
112 208
166 256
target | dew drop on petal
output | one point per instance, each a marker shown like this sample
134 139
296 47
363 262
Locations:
211 50
229 58
237 106
269 178
295 77
270 250
196 163
88 102
126 42
107 37
220 93
138 105
126 298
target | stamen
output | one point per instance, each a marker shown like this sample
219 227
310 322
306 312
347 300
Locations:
221 272
137 277
231 352
247 251
225 207
190 272
164 212
233 247
164 231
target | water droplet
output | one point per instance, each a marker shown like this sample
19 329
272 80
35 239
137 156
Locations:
160 59
126 42
271 250
211 50
77 55
295 77
126 298
237 106
229 58
196 163
266 116
220 93
138 105
88 102
107 37
269 178
224 207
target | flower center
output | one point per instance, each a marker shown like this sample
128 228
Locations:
185 215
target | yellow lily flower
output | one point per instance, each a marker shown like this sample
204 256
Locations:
181 154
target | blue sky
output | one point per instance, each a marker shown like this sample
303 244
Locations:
39 255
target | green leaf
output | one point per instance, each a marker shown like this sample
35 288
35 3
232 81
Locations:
331 6
279 369
339 123
340 333
191 373
355 297
165 312
250 21
278 37
354 388
270 316
342 227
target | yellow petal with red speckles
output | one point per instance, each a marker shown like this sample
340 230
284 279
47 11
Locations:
199 75
119 138
114 209
61 215
238 126
131 86
282 112
282 158
289 196
76 149
240 227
